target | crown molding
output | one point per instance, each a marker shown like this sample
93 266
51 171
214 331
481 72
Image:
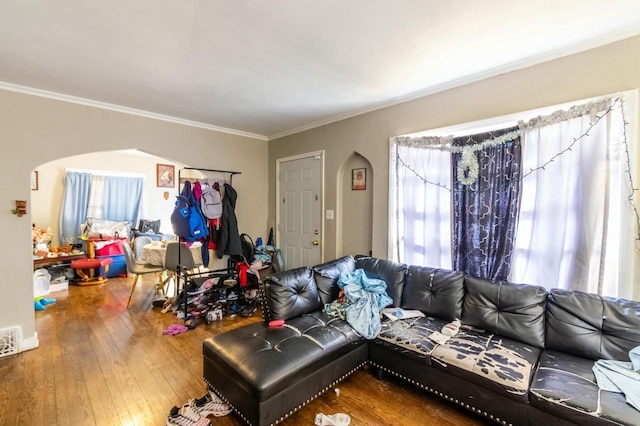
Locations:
123 109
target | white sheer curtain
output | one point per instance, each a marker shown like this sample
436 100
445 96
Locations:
96 196
575 219
577 227
420 206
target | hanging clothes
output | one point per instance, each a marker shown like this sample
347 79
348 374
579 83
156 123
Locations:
229 241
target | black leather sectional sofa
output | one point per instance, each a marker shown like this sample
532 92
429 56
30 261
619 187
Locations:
524 359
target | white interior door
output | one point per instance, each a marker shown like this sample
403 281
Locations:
300 211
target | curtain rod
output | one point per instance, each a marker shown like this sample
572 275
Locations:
210 170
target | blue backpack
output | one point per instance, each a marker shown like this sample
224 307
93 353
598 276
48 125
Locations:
187 219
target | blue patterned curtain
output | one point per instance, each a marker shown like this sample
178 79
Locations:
486 200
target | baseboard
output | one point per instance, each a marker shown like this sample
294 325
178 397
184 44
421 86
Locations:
29 343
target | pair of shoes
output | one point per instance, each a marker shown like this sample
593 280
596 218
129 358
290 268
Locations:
159 302
214 314
338 419
190 322
186 416
168 304
38 306
211 405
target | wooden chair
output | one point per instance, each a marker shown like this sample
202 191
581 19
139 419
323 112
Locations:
139 269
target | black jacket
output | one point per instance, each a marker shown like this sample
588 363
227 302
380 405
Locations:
229 242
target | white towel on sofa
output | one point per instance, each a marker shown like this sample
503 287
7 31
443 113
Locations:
620 376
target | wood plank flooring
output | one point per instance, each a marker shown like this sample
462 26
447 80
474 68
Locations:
99 363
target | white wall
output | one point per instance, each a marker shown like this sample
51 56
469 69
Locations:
38 130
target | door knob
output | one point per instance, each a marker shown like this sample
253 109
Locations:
315 242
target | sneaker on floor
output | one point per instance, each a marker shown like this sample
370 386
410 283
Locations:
211 405
186 416
247 311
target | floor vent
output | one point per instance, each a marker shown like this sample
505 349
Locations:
9 341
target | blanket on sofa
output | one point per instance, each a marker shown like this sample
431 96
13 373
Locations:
621 377
367 297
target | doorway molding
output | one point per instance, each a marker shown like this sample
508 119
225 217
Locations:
279 161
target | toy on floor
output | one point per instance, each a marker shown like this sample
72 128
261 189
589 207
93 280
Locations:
41 303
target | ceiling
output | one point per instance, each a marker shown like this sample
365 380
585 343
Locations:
267 68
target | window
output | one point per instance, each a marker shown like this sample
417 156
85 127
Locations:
576 222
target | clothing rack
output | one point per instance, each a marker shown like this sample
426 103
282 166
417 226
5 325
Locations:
229 172
181 273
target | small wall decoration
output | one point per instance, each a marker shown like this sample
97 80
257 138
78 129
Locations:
359 179
21 208
34 180
166 176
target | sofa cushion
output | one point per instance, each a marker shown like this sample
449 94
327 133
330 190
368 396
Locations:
502 365
436 292
564 386
410 337
505 309
390 272
327 274
592 326
291 293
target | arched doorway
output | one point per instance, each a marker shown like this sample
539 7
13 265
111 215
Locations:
355 214
46 200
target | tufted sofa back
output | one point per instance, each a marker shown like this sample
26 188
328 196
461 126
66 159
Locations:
583 324
390 272
327 274
512 310
436 292
290 294
592 326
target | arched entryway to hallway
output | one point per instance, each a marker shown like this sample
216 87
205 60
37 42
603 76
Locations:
355 206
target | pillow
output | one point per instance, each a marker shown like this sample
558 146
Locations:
327 274
291 293
149 226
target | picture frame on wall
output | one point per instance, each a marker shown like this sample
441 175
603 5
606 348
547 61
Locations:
165 176
34 180
358 179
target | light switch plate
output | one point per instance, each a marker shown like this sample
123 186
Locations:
330 214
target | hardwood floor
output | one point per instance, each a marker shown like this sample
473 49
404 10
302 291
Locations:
99 363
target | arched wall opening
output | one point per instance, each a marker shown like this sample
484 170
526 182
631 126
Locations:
355 206
42 130
158 202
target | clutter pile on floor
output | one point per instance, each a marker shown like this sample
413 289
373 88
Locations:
196 412
210 299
